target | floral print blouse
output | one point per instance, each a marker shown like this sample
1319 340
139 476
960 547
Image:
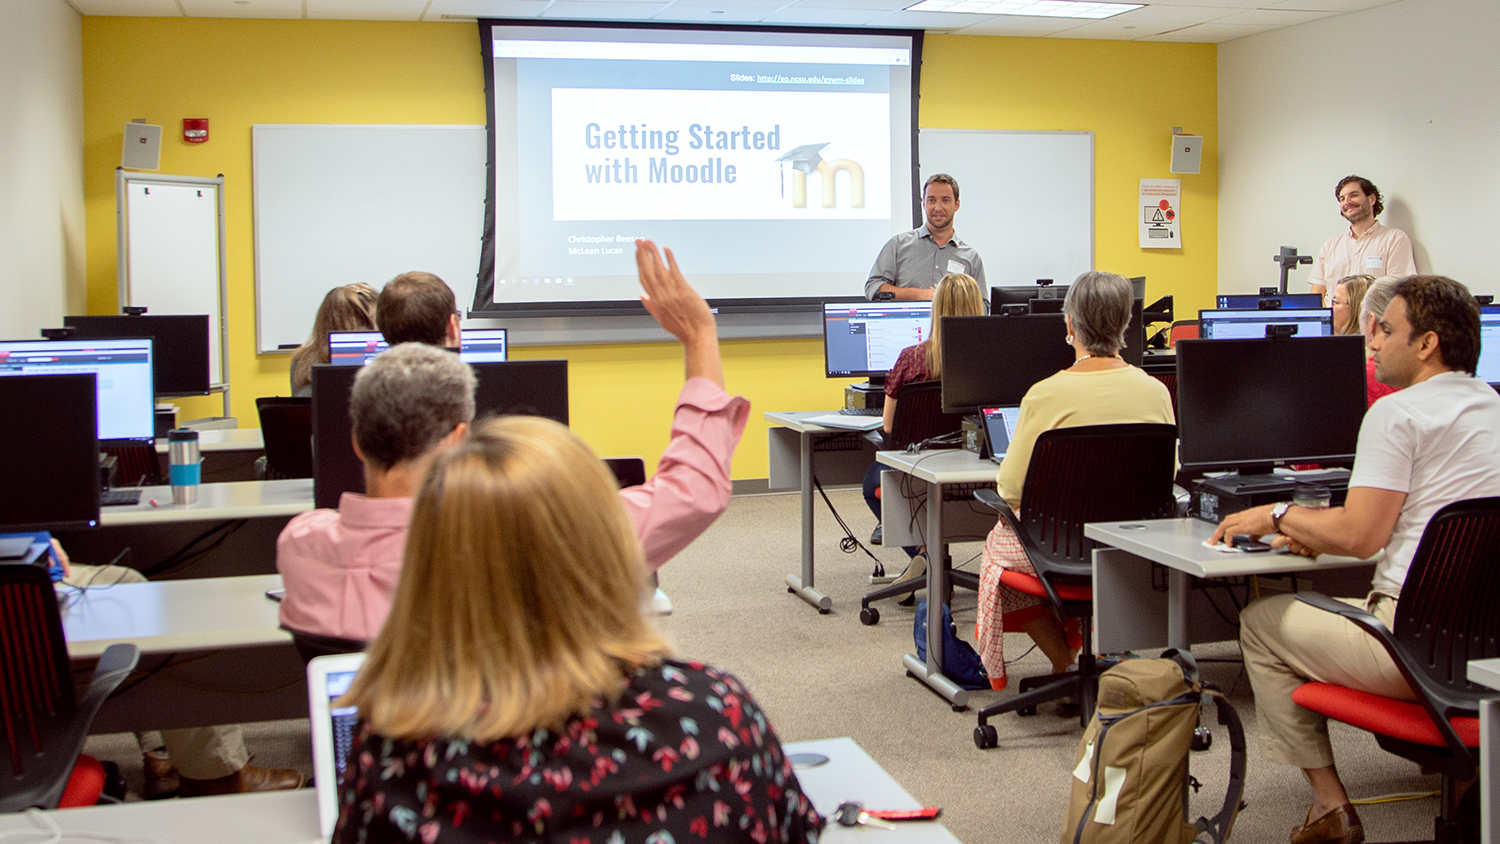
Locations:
684 754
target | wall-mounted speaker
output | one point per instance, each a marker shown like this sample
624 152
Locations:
142 149
1187 153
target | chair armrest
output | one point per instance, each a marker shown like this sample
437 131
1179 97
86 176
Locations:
114 666
877 439
1426 692
991 499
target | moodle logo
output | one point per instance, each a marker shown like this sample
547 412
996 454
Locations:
805 159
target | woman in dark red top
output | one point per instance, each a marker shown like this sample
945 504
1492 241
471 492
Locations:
1371 305
958 294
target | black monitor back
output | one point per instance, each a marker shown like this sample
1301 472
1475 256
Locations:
991 361
528 387
179 350
49 451
1246 404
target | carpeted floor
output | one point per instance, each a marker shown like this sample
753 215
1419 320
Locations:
827 675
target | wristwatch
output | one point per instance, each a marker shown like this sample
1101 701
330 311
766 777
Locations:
1277 512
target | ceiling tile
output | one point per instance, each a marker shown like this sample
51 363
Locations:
1019 25
822 17
131 8
1274 17
380 10
1209 33
1177 15
764 6
1111 30
243 8
938 21
587 9
873 5
1223 4
712 14
1326 5
485 9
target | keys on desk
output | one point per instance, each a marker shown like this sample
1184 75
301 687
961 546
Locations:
854 814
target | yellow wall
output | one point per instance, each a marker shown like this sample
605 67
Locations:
239 73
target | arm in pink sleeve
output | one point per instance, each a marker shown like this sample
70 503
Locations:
691 486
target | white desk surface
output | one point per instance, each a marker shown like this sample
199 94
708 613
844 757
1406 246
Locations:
224 439
793 420
1178 544
942 466
170 616
287 817
1486 672
216 502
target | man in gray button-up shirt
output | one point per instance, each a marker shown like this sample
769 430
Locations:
912 263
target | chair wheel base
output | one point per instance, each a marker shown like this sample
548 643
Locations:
1026 711
985 737
1203 739
869 616
791 591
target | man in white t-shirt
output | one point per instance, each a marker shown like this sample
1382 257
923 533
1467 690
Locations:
1434 442
1367 248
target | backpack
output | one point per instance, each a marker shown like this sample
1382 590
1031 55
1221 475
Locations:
1132 776
960 660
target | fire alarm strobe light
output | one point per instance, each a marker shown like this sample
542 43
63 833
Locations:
195 130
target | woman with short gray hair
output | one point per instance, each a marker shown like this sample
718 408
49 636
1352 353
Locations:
1098 389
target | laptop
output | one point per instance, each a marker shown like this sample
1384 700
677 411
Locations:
999 427
328 677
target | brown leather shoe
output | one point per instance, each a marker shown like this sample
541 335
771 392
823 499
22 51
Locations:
1340 826
248 778
161 775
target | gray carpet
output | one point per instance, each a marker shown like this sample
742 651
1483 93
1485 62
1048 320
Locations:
827 675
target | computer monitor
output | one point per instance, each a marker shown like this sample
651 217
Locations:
1489 345
179 346
529 387
1250 324
50 452
126 403
991 361
1249 404
1258 302
357 348
863 339
1048 298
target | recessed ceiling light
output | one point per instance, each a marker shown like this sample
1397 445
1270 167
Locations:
1028 8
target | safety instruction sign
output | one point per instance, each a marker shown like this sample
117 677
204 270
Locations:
1160 214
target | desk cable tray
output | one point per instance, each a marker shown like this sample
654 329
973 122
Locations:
843 441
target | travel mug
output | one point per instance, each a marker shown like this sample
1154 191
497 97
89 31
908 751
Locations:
1312 496
183 465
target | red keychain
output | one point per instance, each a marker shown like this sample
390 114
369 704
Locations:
927 814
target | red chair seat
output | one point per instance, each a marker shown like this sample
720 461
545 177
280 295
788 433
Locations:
85 784
1031 585
1398 719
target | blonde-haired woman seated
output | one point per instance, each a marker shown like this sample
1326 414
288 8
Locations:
347 308
516 691
1098 389
1348 296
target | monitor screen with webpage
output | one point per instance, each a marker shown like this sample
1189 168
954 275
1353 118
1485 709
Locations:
125 387
1489 344
864 338
1250 324
1250 404
357 348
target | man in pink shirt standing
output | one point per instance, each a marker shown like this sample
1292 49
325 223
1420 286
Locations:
340 567
1367 248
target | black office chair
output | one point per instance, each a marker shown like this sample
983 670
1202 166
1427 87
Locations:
1446 617
135 465
628 471
42 724
286 428
919 417
1092 473
313 645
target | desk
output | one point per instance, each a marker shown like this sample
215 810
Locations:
1138 616
229 454
211 652
843 457
1487 672
937 470
156 534
291 817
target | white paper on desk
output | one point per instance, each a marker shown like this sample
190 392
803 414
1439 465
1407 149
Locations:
1226 548
839 420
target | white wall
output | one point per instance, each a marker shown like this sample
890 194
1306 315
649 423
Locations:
1407 95
41 165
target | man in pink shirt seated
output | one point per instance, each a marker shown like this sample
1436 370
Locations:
340 567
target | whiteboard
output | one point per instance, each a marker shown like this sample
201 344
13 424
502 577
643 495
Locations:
171 250
336 204
1026 199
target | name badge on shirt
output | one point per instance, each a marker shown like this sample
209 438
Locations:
1372 262
957 267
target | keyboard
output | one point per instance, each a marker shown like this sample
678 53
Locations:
117 497
861 411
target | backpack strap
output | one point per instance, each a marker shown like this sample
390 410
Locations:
1219 826
1185 661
